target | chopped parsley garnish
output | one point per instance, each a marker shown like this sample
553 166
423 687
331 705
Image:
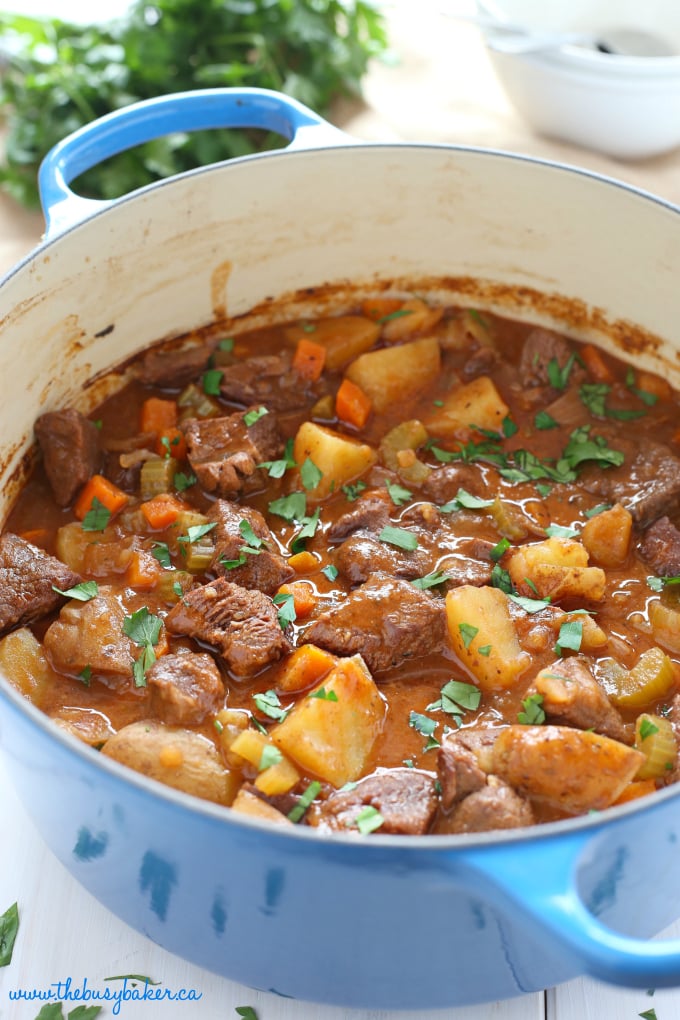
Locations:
467 633
246 1012
528 605
308 327
595 510
178 589
659 583
594 397
268 704
543 490
533 714
278 468
485 649
499 549
398 494
464 500
85 675
323 695
286 604
399 537
559 377
647 729
581 447
246 530
291 508
144 630
423 724
308 530
82 592
398 314
558 531
544 421
368 820
570 636
310 474
501 579
430 580
353 492
649 1014
219 727
97 517
250 417
304 801
196 532
644 395
457 697
509 427
211 381
160 552
183 481
330 571
9 926
270 756
227 344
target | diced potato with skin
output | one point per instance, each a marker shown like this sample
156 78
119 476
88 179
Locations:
24 663
479 618
557 569
88 725
177 757
606 536
575 771
333 739
393 375
338 458
420 318
476 403
345 337
247 803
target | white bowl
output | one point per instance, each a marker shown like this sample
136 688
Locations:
625 106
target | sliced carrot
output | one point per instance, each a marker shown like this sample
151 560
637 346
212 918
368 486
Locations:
170 442
161 511
309 359
105 492
352 405
304 598
303 562
143 570
378 307
596 366
38 536
638 788
654 384
157 415
304 668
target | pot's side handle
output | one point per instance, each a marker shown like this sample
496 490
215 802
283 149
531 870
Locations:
202 109
535 884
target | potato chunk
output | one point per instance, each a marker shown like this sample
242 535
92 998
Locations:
24 663
572 770
395 374
483 636
557 569
331 731
477 403
345 337
606 536
338 458
177 757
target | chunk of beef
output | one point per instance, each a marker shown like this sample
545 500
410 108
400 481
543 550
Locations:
459 772
89 635
174 367
573 697
495 806
224 452
405 798
471 565
362 555
647 483
242 624
425 516
69 443
480 362
660 547
27 574
541 347
185 688
444 482
263 567
370 513
386 620
267 379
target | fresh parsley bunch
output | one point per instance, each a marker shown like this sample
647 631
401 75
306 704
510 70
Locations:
60 76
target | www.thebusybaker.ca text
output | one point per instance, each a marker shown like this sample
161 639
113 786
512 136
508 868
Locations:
129 991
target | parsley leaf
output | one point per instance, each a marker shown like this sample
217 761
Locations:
558 531
308 530
85 675
430 580
195 532
183 481
499 549
659 583
330 571
278 468
533 714
423 724
647 729
398 494
644 395
464 500
368 820
545 421
509 427
323 695
457 697
250 417
227 344
247 1012
246 530
399 537
528 605
398 314
97 517
211 381
570 636
270 756
286 614
9 927
467 633
594 396
144 630
82 592
304 801
581 447
161 552
291 508
353 492
310 474
501 579
559 377
595 510
268 704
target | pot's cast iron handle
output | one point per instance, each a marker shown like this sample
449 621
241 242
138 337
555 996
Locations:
202 109
537 885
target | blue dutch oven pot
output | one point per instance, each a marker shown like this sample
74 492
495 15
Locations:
379 921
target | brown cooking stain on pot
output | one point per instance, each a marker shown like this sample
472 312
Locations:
218 289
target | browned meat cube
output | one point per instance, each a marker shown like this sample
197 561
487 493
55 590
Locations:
459 771
370 513
362 555
444 482
174 368
540 348
69 443
647 483
385 620
660 546
267 379
89 635
495 806
27 575
405 798
262 567
185 688
572 697
224 452
242 624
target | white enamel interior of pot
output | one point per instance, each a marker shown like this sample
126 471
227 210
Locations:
223 240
